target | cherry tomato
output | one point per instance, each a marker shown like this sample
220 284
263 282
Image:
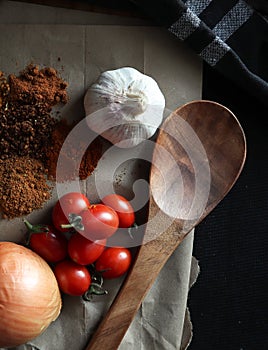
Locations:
113 262
99 221
123 208
47 242
72 202
83 251
73 279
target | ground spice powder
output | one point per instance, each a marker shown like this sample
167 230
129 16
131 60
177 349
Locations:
26 125
38 86
26 103
23 186
89 160
31 140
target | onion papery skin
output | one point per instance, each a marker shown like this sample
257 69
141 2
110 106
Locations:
29 295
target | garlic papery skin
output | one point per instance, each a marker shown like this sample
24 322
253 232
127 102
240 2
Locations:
125 106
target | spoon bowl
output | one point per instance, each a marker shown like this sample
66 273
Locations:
198 156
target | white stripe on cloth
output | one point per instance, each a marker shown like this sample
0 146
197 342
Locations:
189 22
233 20
213 52
197 6
185 25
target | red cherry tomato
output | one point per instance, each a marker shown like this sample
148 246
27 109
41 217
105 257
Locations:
47 242
83 251
123 208
72 202
113 262
99 221
73 279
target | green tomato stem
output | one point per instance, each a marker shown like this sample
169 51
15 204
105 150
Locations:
75 221
28 225
35 228
94 289
131 228
67 226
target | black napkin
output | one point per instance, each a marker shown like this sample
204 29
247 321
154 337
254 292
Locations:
230 35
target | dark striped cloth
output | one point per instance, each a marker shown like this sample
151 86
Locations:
229 35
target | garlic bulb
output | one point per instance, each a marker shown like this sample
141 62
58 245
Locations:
124 106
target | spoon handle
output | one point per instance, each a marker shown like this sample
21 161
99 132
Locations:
208 145
149 261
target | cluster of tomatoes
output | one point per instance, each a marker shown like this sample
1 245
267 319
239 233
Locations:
82 259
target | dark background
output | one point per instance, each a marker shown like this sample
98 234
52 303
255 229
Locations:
228 303
229 300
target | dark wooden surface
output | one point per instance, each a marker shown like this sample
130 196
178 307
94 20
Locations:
115 7
121 7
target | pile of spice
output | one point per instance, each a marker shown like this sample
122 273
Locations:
23 186
26 126
70 153
31 140
25 112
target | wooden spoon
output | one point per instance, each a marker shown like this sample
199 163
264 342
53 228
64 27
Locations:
199 154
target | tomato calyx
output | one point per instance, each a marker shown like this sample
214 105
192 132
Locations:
46 241
96 287
75 222
131 229
34 229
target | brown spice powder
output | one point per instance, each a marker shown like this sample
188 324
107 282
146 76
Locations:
23 186
26 103
26 125
89 160
38 86
31 140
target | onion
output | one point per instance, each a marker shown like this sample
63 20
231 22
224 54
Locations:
29 295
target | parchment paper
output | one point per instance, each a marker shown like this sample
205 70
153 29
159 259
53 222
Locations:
80 53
